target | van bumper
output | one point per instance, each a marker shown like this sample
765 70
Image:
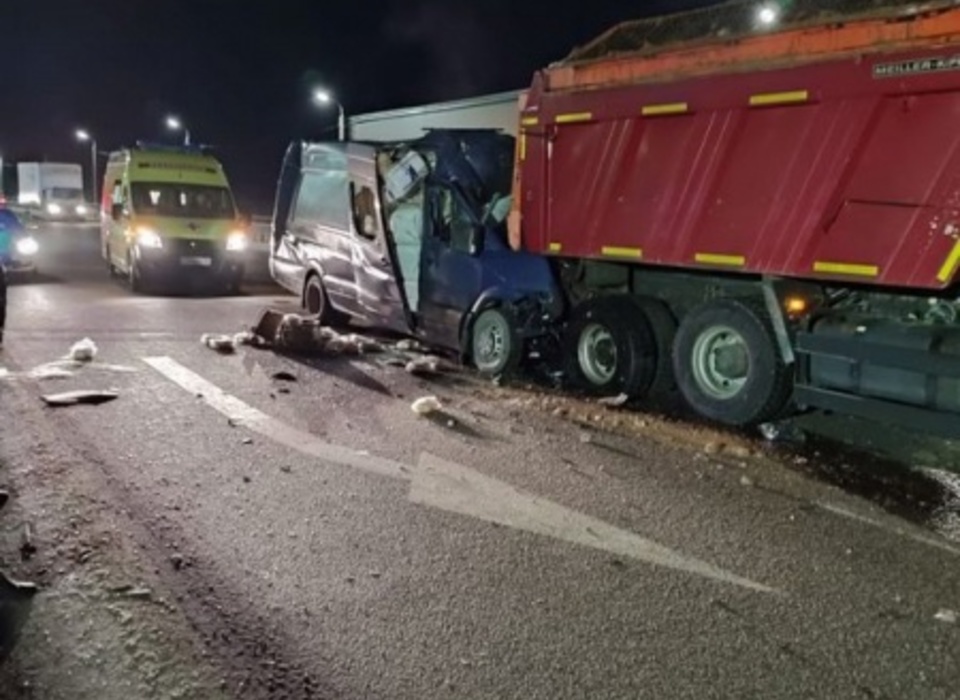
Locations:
178 262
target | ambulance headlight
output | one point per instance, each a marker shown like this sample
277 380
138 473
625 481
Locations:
237 241
148 238
28 246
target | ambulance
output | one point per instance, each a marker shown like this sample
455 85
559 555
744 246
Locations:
168 218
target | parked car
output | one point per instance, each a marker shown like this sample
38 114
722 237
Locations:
18 248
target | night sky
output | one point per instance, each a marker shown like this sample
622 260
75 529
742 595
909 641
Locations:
239 72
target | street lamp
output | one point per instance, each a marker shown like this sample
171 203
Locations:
174 124
768 15
323 97
83 136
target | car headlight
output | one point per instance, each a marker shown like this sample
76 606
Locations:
237 241
81 210
148 238
27 246
54 208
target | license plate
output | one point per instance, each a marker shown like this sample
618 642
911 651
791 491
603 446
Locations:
196 261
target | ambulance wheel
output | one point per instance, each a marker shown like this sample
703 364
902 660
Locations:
728 365
495 346
317 303
108 257
610 347
135 276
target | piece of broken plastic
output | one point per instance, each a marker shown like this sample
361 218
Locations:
73 398
83 350
426 405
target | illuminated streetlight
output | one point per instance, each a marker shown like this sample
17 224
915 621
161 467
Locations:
768 15
174 124
84 136
324 97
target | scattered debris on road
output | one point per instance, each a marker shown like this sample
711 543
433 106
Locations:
283 376
27 547
946 615
224 344
426 405
83 351
614 401
15 601
425 366
83 396
51 370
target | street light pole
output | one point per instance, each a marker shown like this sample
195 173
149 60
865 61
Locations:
324 97
82 136
174 124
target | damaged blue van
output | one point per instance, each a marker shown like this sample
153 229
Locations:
411 237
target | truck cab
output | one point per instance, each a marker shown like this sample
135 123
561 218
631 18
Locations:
411 237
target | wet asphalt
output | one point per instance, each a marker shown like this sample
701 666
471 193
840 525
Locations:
384 575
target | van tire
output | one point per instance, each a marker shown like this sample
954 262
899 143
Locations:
317 303
135 275
495 345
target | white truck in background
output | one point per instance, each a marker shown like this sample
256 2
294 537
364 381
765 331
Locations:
53 191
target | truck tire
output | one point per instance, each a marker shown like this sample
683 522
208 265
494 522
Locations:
727 363
664 327
317 303
609 347
495 346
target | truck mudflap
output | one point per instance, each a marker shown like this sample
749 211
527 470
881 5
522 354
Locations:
883 370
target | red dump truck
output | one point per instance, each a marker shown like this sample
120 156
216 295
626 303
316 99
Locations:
766 217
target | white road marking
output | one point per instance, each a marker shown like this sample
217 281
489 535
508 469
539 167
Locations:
922 539
452 487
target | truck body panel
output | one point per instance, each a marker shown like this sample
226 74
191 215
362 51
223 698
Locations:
844 170
496 111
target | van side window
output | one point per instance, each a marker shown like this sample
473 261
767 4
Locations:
455 225
364 211
323 198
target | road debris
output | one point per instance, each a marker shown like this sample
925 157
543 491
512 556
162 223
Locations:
426 366
782 432
15 602
747 481
177 561
73 398
27 547
946 615
83 351
224 344
283 376
51 370
426 405
4 497
614 401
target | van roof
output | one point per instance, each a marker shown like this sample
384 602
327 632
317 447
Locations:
170 165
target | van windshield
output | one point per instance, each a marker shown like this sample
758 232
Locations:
64 193
184 201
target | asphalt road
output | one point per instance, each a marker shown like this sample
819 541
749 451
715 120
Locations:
318 539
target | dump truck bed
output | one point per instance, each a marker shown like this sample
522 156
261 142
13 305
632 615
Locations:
842 168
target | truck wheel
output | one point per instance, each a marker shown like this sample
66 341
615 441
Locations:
664 327
727 363
317 303
609 347
494 344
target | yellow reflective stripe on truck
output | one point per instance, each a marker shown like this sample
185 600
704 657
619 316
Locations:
720 259
950 265
851 269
